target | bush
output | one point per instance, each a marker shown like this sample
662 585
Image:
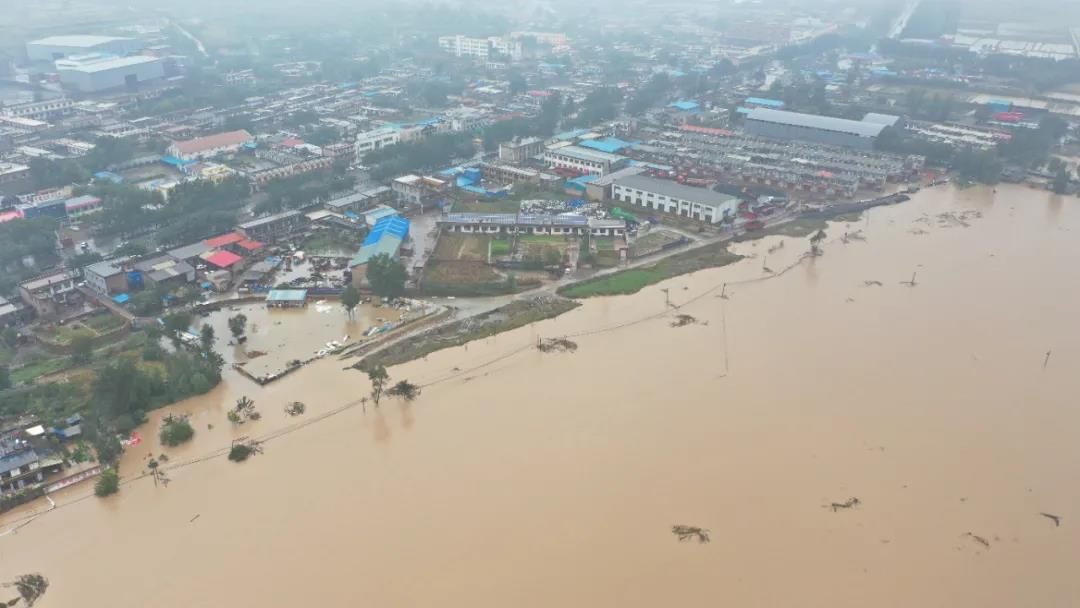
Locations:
176 430
108 483
239 453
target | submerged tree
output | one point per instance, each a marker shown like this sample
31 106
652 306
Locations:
350 299
815 242
378 377
30 588
404 389
238 325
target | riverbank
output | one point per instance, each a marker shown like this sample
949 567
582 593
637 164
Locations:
506 318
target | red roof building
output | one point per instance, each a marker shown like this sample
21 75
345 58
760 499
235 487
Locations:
250 245
211 145
223 259
226 239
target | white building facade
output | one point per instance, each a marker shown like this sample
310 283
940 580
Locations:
675 198
375 139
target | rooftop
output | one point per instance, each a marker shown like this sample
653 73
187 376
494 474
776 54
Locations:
814 121
193 250
210 142
513 219
104 269
225 239
77 41
48 279
101 63
389 245
286 295
586 154
223 259
669 188
269 219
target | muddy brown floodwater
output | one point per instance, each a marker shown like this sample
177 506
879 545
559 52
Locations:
520 478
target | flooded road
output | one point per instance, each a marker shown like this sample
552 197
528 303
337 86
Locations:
526 479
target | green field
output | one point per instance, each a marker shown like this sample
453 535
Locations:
634 279
41 368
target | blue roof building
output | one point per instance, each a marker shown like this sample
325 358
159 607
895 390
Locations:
611 145
393 226
776 104
686 106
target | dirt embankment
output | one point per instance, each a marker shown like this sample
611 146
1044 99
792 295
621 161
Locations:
512 316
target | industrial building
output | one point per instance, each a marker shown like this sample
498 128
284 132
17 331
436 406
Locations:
464 46
210 146
14 178
583 160
516 223
672 197
271 227
106 277
58 47
99 72
779 124
52 295
375 139
385 238
520 150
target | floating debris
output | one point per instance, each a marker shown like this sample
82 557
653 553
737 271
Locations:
872 283
556 345
975 537
847 504
777 247
685 533
254 354
683 320
295 408
1054 518
853 236
918 231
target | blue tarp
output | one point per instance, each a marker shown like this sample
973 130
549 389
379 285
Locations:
103 176
121 298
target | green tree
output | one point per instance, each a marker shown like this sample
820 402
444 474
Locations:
176 324
238 325
206 339
386 276
108 483
10 337
378 377
517 83
5 377
175 430
350 299
82 347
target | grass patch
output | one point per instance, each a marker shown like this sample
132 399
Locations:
512 316
103 323
500 247
634 279
331 241
39 368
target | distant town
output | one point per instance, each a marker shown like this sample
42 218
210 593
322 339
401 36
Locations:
159 175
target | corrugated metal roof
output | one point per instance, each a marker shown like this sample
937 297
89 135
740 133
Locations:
511 219
286 295
813 121
580 153
669 188
388 245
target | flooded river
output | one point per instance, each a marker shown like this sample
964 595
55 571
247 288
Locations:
526 479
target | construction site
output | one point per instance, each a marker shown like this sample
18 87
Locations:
701 157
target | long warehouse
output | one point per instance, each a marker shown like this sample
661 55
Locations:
779 124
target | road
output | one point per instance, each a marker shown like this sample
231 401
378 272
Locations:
198 43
